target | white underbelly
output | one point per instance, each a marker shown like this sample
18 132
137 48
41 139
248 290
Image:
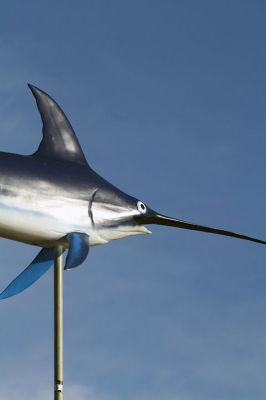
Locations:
43 221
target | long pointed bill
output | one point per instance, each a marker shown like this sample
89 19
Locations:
153 218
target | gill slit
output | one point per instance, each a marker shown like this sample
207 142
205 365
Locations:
90 204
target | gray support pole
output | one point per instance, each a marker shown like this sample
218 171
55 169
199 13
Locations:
58 323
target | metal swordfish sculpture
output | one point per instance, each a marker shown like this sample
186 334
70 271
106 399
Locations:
54 200
53 197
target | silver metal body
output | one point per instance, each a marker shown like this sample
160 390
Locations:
41 201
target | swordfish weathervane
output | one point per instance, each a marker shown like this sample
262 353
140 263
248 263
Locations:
53 198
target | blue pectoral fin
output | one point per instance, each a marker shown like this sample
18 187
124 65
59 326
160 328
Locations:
78 249
31 274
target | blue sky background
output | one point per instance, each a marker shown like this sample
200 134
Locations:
168 101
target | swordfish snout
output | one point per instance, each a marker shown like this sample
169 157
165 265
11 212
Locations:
153 217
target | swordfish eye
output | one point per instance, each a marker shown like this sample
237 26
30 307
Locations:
141 207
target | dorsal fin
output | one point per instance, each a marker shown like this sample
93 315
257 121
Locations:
59 139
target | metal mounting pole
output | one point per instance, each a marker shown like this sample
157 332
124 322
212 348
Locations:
58 323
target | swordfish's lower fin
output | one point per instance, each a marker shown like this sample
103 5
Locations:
78 249
31 274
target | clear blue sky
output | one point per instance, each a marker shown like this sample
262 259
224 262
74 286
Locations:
168 101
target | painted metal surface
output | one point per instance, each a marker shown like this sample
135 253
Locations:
53 197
